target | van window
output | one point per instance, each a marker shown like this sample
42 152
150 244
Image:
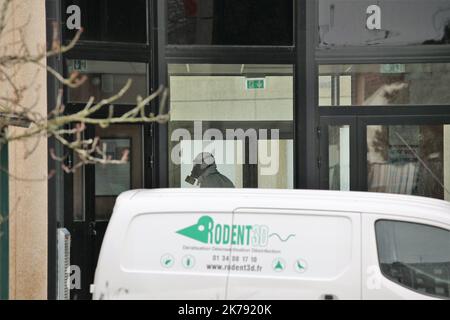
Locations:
416 256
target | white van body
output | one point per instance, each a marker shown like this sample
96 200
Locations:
274 244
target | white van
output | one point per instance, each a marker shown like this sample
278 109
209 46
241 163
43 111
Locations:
273 244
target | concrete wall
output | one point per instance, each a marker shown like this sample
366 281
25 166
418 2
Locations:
28 181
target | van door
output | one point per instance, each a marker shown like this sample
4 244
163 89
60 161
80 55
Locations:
407 259
295 254
180 255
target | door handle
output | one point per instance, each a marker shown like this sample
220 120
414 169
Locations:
91 229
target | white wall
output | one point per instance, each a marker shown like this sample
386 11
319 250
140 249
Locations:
221 98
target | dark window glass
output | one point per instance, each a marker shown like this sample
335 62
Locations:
416 256
230 22
401 22
110 20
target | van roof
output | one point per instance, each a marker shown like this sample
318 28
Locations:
223 200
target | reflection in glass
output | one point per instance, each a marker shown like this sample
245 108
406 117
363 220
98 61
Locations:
416 256
403 22
113 179
230 22
384 84
283 164
409 159
248 129
113 21
107 78
231 169
339 157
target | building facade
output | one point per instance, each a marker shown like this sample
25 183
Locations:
24 180
289 94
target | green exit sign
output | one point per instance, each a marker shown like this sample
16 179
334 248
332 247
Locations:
255 84
80 65
393 68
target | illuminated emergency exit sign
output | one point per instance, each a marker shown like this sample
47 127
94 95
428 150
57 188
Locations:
393 68
80 65
255 84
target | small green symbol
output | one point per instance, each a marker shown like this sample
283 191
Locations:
188 261
300 265
80 65
254 84
167 261
278 265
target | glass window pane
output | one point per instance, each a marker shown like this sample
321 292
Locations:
393 22
240 114
107 78
416 256
283 165
113 21
325 91
231 170
409 159
384 84
230 22
112 180
339 157
79 211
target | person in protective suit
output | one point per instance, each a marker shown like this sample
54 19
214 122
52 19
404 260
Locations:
206 173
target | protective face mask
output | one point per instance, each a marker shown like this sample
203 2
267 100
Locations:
195 174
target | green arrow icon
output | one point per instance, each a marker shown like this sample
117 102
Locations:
278 265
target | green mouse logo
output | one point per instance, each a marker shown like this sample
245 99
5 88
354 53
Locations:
208 232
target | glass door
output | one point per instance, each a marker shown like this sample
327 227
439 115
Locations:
338 161
407 156
95 190
398 155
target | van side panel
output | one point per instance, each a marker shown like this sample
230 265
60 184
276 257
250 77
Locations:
296 255
195 244
168 255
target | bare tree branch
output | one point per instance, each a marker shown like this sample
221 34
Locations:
18 101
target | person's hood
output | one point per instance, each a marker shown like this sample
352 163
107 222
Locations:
212 169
